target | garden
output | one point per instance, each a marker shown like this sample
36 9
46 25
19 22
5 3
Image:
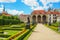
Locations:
54 26
9 25
12 28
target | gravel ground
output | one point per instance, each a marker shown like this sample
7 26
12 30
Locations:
43 33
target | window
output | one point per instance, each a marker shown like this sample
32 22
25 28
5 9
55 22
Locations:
54 21
54 15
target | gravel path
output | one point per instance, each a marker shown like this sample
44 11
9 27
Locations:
43 33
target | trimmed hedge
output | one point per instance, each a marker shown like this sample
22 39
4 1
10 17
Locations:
1 32
4 36
55 24
25 34
12 29
9 21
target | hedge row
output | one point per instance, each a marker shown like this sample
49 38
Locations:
4 36
12 29
25 34
8 21
1 32
55 24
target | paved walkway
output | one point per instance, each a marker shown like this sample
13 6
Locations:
43 33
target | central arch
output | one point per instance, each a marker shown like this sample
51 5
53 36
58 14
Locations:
39 19
34 18
44 18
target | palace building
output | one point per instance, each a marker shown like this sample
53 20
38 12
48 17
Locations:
42 16
23 17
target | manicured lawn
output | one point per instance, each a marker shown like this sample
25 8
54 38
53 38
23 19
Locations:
11 30
26 34
53 28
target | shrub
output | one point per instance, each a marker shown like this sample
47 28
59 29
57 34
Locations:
4 36
7 20
12 29
26 33
55 24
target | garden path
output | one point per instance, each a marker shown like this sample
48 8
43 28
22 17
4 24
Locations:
43 33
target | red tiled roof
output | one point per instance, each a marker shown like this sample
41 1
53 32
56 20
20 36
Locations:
5 13
24 15
44 12
54 12
38 12
8 15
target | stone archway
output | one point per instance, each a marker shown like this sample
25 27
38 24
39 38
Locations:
34 18
39 19
44 18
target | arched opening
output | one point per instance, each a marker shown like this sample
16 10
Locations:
44 19
39 19
34 18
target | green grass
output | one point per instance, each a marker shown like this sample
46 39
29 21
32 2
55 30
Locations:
14 32
53 28
26 38
11 32
20 35
25 35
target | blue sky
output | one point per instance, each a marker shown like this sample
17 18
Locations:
27 6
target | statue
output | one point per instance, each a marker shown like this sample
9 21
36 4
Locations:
28 23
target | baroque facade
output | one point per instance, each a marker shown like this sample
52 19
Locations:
23 17
42 16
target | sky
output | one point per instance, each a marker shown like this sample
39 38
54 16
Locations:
17 7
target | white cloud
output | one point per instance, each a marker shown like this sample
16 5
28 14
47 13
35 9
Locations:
32 3
1 8
50 5
21 12
53 0
45 2
35 5
14 12
38 8
8 1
